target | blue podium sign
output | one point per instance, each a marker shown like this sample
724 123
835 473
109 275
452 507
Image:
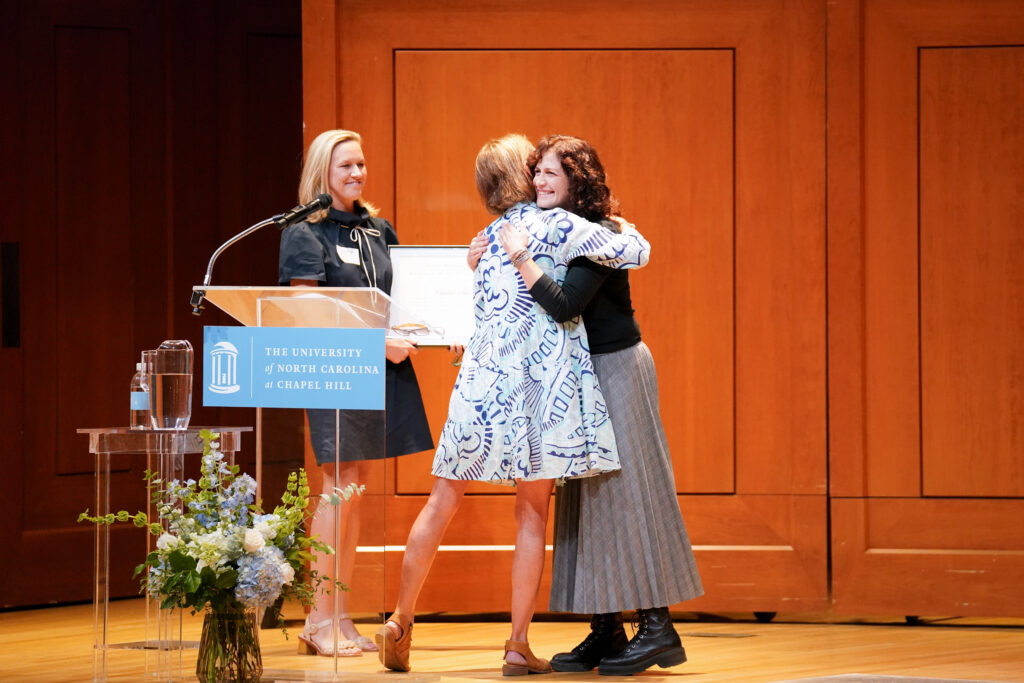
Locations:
288 367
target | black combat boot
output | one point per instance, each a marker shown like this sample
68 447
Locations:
655 642
606 638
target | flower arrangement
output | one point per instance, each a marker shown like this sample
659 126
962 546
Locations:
216 548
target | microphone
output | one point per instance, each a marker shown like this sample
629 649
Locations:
295 215
283 220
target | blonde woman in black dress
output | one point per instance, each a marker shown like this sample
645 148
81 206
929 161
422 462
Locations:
347 246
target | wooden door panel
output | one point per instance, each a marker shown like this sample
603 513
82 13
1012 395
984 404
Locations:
935 556
893 284
972 271
685 129
925 395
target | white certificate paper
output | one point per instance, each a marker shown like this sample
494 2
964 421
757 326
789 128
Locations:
431 295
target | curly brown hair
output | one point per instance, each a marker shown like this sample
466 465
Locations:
588 192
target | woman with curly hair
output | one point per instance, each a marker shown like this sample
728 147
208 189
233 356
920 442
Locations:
525 410
620 540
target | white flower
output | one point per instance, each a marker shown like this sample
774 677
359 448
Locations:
211 550
253 541
246 484
167 541
265 529
287 573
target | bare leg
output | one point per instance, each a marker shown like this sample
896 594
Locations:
528 560
424 539
348 529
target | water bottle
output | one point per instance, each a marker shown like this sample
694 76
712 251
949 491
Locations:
140 398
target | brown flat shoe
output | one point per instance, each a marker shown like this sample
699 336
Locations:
534 665
393 650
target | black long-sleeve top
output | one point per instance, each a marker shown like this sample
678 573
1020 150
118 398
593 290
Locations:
601 294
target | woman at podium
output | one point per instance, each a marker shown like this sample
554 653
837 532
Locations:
347 246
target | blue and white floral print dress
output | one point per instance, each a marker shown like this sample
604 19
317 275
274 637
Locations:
526 403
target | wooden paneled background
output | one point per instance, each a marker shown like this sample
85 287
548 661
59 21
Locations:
137 136
926 307
834 193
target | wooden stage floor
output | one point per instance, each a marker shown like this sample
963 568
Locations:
54 645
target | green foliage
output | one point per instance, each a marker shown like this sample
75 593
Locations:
216 547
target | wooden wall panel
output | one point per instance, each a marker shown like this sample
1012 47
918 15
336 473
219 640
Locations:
120 189
731 168
892 279
783 536
235 109
686 130
92 238
891 276
936 556
924 321
847 415
972 271
87 75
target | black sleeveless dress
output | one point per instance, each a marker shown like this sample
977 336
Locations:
351 250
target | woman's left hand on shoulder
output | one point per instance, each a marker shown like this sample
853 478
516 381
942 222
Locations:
477 247
513 237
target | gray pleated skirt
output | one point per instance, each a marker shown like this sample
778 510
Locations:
620 540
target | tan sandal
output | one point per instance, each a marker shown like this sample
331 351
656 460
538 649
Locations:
364 643
309 646
393 650
533 665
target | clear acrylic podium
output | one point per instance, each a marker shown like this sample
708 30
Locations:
165 452
320 307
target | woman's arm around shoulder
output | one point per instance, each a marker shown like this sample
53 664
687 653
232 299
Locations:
627 249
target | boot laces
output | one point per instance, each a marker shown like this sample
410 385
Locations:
597 628
638 623
587 642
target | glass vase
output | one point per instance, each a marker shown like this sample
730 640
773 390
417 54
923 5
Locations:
229 649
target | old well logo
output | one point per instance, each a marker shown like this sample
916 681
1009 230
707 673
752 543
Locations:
224 368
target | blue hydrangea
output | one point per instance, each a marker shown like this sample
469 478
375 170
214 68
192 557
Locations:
259 577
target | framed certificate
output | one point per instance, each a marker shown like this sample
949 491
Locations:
431 295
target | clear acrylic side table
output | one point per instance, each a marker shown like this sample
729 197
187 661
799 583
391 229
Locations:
165 452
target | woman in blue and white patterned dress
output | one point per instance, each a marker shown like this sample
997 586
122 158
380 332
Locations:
526 409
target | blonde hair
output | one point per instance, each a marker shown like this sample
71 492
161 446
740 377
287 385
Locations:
316 171
502 176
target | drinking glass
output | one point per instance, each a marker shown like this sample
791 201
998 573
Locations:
170 385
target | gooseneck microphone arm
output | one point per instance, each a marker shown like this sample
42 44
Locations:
283 220
199 294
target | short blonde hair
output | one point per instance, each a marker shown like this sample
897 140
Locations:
315 172
502 175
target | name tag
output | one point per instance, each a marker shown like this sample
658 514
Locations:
348 255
